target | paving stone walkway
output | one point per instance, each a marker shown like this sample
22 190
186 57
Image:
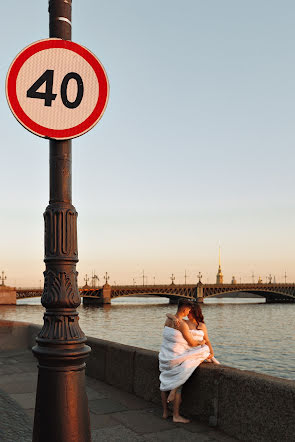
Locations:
115 415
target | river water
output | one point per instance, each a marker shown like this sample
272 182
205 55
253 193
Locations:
245 333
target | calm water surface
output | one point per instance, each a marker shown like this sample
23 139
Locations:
244 333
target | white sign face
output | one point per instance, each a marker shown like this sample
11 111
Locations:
57 89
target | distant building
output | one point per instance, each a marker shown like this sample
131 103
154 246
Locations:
233 281
219 276
259 280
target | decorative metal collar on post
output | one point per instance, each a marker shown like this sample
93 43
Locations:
62 69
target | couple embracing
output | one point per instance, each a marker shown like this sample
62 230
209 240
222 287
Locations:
184 347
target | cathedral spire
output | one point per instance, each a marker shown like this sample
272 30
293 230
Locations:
219 276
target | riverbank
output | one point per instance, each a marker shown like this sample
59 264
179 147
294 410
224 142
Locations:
243 404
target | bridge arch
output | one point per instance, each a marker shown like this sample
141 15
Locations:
270 292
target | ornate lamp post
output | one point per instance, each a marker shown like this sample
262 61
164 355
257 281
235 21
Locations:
61 412
86 279
3 278
106 278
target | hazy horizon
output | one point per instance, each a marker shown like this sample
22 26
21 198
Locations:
196 146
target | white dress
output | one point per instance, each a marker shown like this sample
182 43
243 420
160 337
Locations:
177 360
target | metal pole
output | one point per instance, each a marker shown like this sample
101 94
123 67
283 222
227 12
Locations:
61 412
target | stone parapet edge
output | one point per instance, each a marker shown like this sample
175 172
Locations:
246 405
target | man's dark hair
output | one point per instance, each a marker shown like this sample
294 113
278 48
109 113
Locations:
182 303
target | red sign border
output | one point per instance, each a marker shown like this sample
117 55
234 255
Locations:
28 123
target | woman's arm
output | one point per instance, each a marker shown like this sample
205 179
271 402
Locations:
184 329
176 324
203 327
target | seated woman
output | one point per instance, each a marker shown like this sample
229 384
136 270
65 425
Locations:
197 328
179 356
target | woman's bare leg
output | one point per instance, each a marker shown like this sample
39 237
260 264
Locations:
171 396
164 404
176 405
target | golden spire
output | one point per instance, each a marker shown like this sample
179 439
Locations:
219 276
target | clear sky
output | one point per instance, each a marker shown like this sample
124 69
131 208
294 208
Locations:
196 146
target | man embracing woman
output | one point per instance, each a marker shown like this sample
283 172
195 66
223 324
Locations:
184 347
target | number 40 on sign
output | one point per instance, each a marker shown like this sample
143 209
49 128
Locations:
57 89
48 96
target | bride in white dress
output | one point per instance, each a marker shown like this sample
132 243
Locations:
199 330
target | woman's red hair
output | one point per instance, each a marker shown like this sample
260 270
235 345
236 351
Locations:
196 311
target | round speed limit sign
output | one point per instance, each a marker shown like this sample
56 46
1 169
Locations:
57 89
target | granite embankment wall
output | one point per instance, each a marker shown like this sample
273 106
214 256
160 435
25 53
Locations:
246 405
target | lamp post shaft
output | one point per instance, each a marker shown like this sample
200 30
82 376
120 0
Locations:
61 412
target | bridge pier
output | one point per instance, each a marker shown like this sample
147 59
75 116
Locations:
200 293
103 298
7 295
106 294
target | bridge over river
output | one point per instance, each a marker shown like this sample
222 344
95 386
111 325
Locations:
103 295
